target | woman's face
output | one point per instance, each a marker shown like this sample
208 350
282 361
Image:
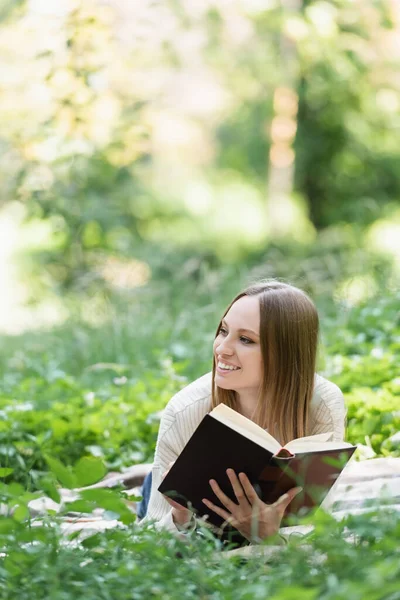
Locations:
237 350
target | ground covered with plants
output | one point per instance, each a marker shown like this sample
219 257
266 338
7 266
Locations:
83 399
355 559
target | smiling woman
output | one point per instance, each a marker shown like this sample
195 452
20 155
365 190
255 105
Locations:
270 331
264 358
237 354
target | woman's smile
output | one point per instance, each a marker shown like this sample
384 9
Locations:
224 368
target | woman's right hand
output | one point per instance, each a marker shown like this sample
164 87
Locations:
181 516
254 519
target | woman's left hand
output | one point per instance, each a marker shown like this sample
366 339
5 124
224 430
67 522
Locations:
254 519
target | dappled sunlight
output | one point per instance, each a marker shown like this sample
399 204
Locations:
384 236
13 293
288 219
323 16
388 101
16 315
238 217
232 217
20 311
178 140
356 290
124 274
45 8
199 197
228 217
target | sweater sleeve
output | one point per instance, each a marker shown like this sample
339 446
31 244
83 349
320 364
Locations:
328 411
168 448
180 418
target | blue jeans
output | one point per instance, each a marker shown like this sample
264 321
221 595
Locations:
144 503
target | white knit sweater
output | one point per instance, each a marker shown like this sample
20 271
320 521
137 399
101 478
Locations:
187 408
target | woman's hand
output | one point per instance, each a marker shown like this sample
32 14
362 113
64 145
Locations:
181 516
254 519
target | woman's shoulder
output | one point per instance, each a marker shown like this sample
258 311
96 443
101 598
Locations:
195 393
326 392
328 411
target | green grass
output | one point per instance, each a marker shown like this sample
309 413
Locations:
95 390
356 559
81 389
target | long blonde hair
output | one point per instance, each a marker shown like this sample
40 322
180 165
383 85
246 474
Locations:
288 339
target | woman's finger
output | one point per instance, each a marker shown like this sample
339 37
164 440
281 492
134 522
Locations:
223 498
237 488
249 489
175 504
220 511
283 502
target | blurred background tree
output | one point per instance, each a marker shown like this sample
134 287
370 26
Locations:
210 128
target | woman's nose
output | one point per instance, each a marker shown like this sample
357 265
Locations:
224 347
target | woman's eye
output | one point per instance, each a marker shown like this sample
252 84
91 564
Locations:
222 331
246 340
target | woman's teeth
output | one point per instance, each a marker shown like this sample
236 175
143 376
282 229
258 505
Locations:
225 367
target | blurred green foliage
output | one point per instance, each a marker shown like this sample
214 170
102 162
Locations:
357 557
9 9
116 138
347 163
83 390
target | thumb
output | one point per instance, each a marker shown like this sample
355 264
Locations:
283 502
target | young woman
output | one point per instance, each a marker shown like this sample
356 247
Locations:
264 357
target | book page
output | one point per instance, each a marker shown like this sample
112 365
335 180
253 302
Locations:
314 443
257 434
245 427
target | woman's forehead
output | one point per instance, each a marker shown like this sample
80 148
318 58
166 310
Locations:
244 313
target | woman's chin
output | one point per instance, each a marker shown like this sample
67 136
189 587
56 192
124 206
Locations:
222 382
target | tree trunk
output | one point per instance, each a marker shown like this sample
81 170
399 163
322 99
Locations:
283 130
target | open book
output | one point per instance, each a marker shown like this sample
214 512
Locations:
225 439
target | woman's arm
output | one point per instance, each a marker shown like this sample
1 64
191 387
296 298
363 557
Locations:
180 418
168 448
